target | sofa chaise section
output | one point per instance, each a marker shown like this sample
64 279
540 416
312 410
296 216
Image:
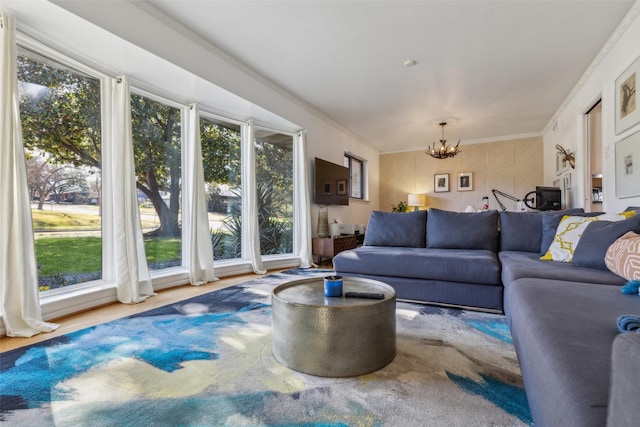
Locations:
563 334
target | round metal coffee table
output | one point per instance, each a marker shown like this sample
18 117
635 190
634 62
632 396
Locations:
333 336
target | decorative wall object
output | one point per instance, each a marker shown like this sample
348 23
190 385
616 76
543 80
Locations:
465 181
628 173
341 187
627 108
441 183
568 158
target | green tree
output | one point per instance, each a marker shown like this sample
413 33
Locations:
60 113
156 150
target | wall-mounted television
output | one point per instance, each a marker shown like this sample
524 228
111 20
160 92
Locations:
331 183
548 198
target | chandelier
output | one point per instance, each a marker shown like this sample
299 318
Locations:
444 151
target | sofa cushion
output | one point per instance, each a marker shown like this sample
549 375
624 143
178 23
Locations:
520 231
550 225
396 229
623 256
462 230
597 238
452 265
624 410
518 265
563 333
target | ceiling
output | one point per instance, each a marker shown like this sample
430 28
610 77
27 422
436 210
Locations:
502 67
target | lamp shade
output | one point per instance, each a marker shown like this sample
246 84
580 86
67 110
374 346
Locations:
416 200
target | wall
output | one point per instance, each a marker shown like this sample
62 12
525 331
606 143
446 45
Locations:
513 166
567 127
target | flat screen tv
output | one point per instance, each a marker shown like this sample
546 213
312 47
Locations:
331 183
548 198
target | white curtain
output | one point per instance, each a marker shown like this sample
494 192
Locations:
120 203
249 201
301 201
19 293
195 220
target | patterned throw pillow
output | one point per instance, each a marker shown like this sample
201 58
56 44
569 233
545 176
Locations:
567 237
623 256
570 231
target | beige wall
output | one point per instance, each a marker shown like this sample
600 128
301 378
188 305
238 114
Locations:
514 167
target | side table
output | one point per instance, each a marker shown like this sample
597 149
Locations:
328 247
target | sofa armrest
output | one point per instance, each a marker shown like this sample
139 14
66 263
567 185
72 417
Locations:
624 403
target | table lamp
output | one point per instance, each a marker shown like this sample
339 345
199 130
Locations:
416 200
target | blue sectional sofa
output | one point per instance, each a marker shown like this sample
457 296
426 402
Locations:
577 369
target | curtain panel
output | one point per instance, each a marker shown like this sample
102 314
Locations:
301 202
251 239
120 200
195 219
19 293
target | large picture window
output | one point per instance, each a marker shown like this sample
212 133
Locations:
60 114
157 157
221 158
67 113
356 176
274 181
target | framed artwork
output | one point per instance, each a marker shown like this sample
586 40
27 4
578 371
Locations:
326 188
441 183
465 181
341 187
567 181
627 108
628 173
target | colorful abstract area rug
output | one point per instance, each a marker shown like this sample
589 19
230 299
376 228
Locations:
207 362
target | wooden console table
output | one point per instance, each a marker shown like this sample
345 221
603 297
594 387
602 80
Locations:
328 247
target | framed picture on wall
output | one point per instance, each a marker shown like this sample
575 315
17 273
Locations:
441 183
627 108
341 187
628 166
465 181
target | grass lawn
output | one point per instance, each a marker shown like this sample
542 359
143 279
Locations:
73 255
51 220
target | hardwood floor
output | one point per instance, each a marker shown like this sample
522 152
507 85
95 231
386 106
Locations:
116 310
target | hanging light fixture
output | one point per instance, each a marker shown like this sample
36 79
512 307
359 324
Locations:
444 151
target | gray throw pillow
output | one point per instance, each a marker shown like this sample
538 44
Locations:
597 238
396 229
461 230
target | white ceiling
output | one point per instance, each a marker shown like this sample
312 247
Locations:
502 67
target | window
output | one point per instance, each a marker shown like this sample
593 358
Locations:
356 174
274 182
62 120
222 168
60 113
157 157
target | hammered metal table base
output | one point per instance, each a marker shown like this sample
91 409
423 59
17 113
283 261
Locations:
333 336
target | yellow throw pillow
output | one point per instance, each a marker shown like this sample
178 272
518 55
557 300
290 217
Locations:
623 256
567 237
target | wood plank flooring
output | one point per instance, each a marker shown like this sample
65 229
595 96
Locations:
114 311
